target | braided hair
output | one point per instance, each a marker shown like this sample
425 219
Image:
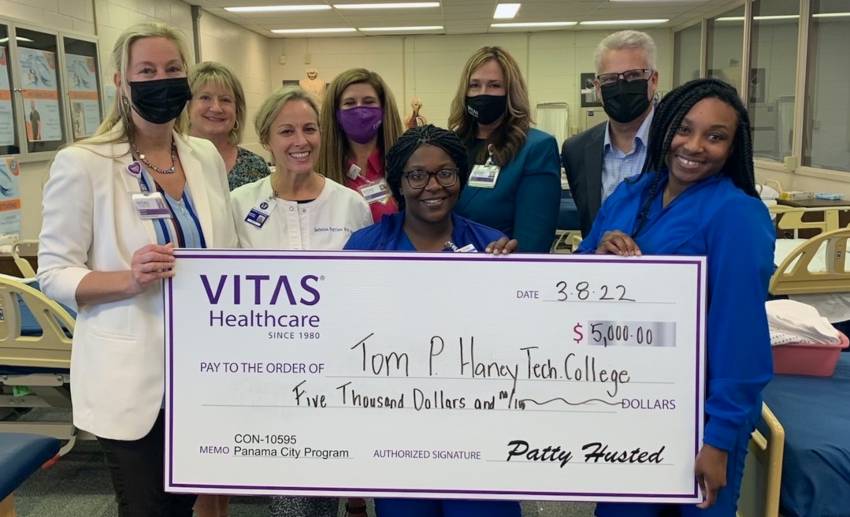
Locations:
413 139
670 112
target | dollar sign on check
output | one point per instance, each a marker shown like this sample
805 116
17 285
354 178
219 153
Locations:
578 336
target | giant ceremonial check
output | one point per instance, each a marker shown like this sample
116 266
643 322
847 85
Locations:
435 375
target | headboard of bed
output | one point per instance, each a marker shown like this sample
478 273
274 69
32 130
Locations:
794 222
50 349
795 276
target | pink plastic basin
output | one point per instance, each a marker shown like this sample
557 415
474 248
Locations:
806 359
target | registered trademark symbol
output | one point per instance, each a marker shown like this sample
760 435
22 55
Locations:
321 277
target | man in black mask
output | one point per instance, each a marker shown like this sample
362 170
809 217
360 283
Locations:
600 158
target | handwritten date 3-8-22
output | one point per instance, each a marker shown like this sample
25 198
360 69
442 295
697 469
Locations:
585 291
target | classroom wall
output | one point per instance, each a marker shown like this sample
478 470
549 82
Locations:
425 65
429 66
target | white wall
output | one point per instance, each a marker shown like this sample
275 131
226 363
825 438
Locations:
430 66
245 53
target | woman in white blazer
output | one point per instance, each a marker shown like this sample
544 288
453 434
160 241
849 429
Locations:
114 208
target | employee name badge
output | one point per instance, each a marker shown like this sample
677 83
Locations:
151 205
375 192
469 248
258 215
484 176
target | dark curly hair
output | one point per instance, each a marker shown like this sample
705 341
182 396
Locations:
413 139
669 115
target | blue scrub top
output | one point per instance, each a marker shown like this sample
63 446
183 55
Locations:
733 230
389 235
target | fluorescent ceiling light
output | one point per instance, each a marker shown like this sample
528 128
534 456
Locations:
391 5
777 17
782 17
505 11
759 18
314 31
531 24
400 29
625 22
278 8
831 15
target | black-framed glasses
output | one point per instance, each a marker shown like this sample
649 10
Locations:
419 179
629 75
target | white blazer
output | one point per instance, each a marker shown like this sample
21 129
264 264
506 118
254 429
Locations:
90 224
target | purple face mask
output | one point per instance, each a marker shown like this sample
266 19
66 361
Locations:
361 123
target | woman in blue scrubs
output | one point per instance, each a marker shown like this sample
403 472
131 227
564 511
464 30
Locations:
426 170
697 196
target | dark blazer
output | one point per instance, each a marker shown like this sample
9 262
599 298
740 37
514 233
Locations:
581 157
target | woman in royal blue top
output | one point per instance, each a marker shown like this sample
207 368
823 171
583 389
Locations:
697 196
426 170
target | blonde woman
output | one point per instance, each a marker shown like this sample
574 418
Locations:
515 183
217 113
296 208
360 122
104 253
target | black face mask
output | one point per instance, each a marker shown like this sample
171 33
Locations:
625 101
487 108
161 100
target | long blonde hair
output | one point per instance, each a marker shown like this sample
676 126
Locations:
510 136
335 147
118 125
210 72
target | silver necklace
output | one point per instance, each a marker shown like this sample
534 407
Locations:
170 170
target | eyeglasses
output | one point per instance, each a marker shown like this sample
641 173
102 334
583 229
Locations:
629 75
419 179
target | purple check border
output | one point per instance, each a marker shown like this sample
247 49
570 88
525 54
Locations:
698 262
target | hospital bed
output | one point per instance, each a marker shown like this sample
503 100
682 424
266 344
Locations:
814 266
35 351
760 487
814 412
815 271
35 355
816 461
799 222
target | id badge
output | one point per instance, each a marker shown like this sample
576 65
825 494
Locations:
484 176
376 192
256 217
151 205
